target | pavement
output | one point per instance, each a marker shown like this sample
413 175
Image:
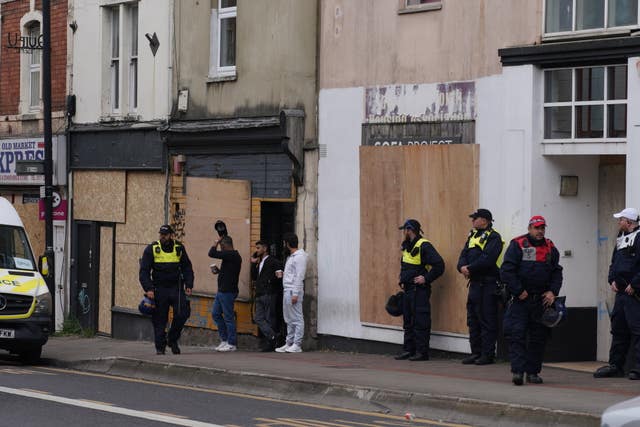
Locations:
440 388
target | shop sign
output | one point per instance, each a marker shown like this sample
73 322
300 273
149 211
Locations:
13 150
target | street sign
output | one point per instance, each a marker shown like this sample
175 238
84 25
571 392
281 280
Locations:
29 167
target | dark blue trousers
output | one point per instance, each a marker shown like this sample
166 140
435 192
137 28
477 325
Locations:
527 336
482 318
177 300
416 313
625 325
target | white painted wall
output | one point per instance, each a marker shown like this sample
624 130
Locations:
633 133
88 58
516 182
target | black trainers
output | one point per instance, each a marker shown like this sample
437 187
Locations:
174 348
404 355
470 360
419 357
517 378
159 351
608 371
484 360
534 379
634 375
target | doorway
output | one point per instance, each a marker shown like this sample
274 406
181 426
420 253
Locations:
85 267
276 219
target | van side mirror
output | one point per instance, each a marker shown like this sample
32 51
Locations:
43 265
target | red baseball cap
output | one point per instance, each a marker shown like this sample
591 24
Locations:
537 221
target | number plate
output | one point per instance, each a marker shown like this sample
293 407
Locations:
7 333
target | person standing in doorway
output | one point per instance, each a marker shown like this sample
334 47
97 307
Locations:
166 275
421 265
228 275
267 285
478 263
293 283
624 280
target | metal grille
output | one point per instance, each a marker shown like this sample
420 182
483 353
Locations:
11 304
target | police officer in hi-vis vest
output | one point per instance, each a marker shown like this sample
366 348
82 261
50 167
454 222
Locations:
478 263
166 276
533 275
421 265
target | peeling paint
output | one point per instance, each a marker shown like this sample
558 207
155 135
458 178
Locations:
420 103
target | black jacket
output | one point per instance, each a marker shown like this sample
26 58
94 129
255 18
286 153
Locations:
482 262
229 270
266 281
625 262
428 255
164 276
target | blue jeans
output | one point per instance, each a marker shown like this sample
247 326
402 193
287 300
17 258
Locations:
224 316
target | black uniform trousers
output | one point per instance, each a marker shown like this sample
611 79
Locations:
482 317
416 312
177 300
625 325
526 334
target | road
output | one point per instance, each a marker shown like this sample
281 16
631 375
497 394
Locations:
56 397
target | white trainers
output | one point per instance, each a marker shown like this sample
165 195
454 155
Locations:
294 348
222 344
283 349
228 347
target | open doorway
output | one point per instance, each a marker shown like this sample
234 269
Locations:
276 219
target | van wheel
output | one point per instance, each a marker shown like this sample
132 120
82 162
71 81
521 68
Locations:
30 356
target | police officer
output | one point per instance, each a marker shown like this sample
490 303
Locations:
624 280
165 269
421 265
533 275
478 263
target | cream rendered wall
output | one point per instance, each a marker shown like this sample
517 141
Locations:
633 133
88 59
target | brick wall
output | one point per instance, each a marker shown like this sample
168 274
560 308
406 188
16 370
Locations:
11 14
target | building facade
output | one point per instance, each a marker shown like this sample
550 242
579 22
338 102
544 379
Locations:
21 124
530 110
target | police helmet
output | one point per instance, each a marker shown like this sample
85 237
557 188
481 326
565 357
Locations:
394 304
555 313
147 306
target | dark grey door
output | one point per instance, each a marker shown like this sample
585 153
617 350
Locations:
86 267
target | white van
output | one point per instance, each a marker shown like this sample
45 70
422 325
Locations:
25 301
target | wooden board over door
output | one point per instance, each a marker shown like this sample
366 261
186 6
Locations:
209 200
438 186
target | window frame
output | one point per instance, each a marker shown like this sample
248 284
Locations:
134 52
33 68
115 62
587 32
605 103
216 71
404 7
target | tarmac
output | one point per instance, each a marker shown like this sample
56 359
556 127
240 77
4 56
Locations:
442 389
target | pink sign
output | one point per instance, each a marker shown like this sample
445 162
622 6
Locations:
59 211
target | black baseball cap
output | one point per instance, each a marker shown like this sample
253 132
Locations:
166 229
482 213
411 224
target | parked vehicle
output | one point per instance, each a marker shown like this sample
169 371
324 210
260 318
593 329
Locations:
623 414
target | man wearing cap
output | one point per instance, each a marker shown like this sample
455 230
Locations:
533 275
624 280
478 263
421 264
166 275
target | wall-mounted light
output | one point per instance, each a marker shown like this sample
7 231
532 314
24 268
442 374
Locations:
73 26
568 185
154 43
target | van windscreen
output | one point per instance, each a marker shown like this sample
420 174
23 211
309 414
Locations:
15 252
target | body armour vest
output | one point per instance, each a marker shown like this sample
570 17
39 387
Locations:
481 241
413 257
531 253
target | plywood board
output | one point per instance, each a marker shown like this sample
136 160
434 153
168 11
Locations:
105 280
144 208
209 200
128 288
437 185
99 195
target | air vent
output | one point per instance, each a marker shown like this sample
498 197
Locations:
323 150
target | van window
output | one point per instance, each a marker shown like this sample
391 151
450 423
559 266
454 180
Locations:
14 249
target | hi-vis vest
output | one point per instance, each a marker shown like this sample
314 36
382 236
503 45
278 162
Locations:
414 257
162 257
481 241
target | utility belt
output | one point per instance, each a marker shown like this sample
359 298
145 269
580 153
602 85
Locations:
484 280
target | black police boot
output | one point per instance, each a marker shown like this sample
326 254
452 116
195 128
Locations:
404 355
484 360
517 378
534 379
634 374
268 345
608 371
419 357
174 348
159 351
470 360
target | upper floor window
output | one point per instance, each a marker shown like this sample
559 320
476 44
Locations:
587 103
34 61
122 58
409 6
223 39
563 16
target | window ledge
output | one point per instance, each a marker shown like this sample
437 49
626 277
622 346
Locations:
118 118
421 8
222 79
588 34
29 116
